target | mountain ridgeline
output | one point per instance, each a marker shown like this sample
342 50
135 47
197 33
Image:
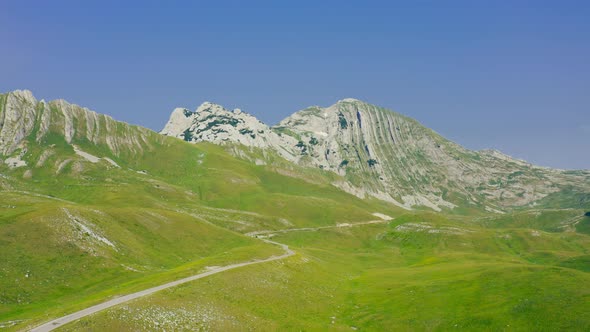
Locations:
365 150
382 154
28 126
92 209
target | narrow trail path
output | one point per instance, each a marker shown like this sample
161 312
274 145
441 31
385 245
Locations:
288 230
56 323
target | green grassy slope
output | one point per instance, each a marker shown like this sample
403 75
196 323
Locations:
169 209
74 233
421 272
56 258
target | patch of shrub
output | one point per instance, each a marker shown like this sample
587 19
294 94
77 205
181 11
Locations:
342 121
187 135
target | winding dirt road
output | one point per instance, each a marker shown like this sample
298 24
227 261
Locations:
56 323
49 326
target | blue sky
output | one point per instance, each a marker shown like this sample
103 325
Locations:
511 75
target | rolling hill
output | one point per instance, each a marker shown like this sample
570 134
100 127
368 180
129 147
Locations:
92 208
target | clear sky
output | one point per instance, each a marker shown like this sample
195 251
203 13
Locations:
511 75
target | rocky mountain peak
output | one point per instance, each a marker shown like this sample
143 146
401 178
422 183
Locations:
349 100
24 120
369 151
210 107
379 153
213 123
24 94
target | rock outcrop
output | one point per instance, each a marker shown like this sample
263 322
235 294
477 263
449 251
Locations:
381 154
371 151
23 119
38 136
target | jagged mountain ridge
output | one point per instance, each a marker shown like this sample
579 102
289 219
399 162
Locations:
382 154
172 207
24 119
375 152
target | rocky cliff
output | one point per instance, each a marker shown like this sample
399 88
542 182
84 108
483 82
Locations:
31 131
383 154
370 152
213 123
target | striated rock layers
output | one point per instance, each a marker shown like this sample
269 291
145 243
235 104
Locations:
363 149
381 154
23 120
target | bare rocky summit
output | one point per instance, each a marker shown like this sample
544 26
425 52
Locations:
364 149
213 123
22 116
33 131
382 154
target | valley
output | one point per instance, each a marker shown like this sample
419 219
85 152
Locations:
447 274
96 213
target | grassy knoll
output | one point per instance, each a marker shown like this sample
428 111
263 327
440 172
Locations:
73 233
53 262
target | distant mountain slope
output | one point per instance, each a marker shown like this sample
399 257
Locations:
385 155
24 119
47 146
91 207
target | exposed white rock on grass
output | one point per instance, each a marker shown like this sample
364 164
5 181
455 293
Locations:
61 165
428 200
491 209
10 323
85 155
15 162
112 162
129 268
429 228
92 158
382 216
44 156
191 317
86 229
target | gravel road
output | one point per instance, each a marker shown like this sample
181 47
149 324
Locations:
49 326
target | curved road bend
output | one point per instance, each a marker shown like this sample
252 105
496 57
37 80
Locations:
52 325
49 326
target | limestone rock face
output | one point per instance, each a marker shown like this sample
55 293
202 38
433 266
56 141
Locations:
17 118
382 154
213 123
370 151
24 120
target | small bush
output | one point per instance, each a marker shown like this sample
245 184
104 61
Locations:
342 121
187 135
